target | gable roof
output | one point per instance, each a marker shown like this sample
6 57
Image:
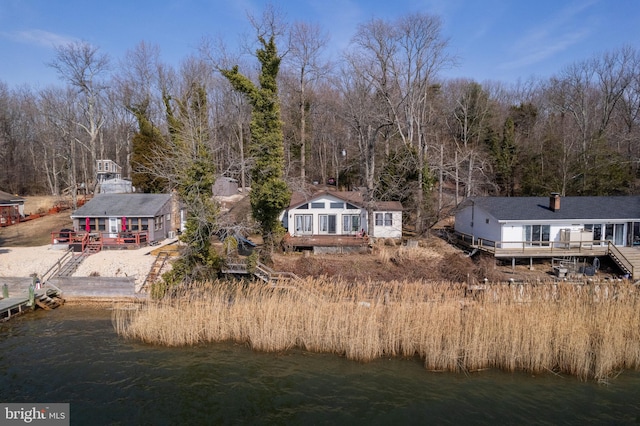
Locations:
354 197
537 208
6 198
112 205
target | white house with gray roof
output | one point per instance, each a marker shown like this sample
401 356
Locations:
514 222
332 213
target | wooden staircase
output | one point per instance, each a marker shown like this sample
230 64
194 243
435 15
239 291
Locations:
49 299
260 271
156 269
93 247
71 265
627 258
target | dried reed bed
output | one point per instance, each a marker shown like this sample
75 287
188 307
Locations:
590 331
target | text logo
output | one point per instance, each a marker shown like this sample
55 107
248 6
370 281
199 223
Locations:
35 414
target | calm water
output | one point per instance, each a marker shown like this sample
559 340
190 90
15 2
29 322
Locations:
73 355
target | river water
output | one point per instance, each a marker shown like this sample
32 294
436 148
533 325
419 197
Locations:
73 355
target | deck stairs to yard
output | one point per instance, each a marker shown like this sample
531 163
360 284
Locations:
93 247
628 259
156 269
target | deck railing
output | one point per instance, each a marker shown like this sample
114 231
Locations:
620 259
104 238
524 247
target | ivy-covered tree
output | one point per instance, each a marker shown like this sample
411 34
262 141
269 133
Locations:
504 156
192 174
269 192
146 143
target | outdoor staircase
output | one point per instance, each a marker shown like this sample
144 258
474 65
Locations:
93 247
628 259
156 269
67 269
260 271
48 300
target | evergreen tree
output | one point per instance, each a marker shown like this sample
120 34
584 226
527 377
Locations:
503 152
269 193
146 143
193 177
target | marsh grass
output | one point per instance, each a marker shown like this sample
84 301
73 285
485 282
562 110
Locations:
589 331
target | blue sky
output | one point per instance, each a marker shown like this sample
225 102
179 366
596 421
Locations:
502 40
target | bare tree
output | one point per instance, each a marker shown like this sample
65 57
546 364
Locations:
82 66
307 43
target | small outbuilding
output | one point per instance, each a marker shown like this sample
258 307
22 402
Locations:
11 208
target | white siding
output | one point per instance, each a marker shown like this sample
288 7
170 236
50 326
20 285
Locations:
392 231
327 210
474 221
512 235
384 231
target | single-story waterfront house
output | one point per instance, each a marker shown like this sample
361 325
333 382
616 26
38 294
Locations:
112 215
338 219
514 222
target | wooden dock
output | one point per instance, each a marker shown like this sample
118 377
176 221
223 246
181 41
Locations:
44 298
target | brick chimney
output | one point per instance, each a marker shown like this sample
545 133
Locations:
554 202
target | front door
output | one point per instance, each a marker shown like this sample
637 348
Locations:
114 227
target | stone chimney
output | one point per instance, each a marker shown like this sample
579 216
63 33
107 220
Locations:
554 202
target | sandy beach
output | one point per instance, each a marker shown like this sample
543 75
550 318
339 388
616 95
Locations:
25 261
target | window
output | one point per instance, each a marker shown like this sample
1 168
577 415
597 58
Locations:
327 224
614 232
537 235
304 206
350 223
100 165
158 222
317 205
384 219
303 224
337 205
351 207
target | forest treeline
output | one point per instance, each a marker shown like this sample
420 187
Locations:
380 117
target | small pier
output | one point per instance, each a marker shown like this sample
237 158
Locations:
25 301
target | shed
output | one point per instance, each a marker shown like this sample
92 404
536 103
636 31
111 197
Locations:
11 208
225 186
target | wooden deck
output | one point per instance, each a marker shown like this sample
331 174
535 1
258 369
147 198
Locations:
96 241
24 301
331 241
627 258
260 271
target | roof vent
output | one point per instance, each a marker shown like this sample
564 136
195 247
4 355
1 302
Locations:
554 202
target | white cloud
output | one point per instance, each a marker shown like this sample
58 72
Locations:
556 34
39 38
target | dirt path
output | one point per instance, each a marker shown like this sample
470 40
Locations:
35 232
